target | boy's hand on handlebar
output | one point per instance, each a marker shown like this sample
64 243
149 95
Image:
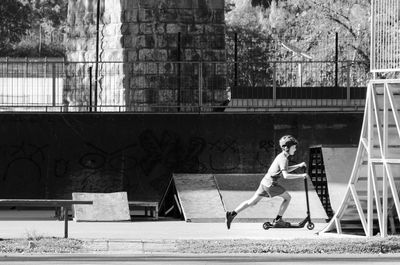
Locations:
303 165
305 175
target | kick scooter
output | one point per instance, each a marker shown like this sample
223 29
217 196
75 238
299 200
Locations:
310 225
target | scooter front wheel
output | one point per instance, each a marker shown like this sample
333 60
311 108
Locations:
310 226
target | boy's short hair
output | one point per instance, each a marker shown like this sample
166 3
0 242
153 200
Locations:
287 141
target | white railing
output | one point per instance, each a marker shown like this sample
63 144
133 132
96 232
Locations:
385 36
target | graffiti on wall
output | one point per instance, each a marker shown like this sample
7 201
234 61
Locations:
142 167
24 169
101 170
224 155
266 153
163 154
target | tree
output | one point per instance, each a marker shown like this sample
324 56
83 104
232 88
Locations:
15 21
307 25
253 45
351 20
51 12
32 27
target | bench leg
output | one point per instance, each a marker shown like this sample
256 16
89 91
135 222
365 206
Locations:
65 222
156 213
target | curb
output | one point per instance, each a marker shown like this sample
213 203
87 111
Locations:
131 246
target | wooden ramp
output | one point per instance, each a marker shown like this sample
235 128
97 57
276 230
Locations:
107 207
370 199
338 163
206 197
198 198
235 188
329 169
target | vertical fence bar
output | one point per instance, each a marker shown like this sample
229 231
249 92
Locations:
53 78
348 83
236 60
179 71
336 58
300 69
90 89
96 86
26 82
200 85
45 96
274 84
97 51
65 78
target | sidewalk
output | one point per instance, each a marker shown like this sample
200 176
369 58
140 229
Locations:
149 236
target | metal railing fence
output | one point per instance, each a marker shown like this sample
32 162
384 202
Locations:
385 36
182 86
299 84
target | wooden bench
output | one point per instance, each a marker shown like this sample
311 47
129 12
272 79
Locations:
150 208
64 204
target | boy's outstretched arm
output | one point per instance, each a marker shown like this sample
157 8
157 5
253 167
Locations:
287 175
294 167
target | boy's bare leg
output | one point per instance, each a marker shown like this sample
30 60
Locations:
286 200
248 203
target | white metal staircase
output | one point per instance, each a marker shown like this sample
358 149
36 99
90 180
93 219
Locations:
372 192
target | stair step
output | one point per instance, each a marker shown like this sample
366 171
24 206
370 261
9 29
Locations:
393 152
380 102
393 138
393 87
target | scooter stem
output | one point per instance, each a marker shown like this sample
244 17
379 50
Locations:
307 201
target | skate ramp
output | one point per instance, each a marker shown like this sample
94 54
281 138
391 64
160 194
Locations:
107 207
236 188
199 198
338 162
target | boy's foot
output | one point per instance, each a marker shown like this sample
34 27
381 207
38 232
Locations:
229 219
280 223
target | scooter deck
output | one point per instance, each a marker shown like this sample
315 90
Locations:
288 225
268 225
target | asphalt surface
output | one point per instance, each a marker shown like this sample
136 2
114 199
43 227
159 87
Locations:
202 259
155 230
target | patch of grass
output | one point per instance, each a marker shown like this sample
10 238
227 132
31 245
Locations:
33 235
40 244
298 246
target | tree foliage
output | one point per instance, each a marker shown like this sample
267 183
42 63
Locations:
309 27
51 12
15 21
24 23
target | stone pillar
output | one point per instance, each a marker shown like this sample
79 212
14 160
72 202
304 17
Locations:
159 50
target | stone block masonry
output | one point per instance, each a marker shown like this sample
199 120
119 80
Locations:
168 50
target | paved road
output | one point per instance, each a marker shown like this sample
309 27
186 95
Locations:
205 259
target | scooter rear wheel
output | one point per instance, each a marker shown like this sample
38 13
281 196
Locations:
310 226
267 225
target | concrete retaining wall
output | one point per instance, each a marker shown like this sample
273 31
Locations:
53 155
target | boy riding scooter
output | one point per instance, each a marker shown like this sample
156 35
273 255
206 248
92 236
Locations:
269 186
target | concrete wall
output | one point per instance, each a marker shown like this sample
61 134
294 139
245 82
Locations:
53 155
